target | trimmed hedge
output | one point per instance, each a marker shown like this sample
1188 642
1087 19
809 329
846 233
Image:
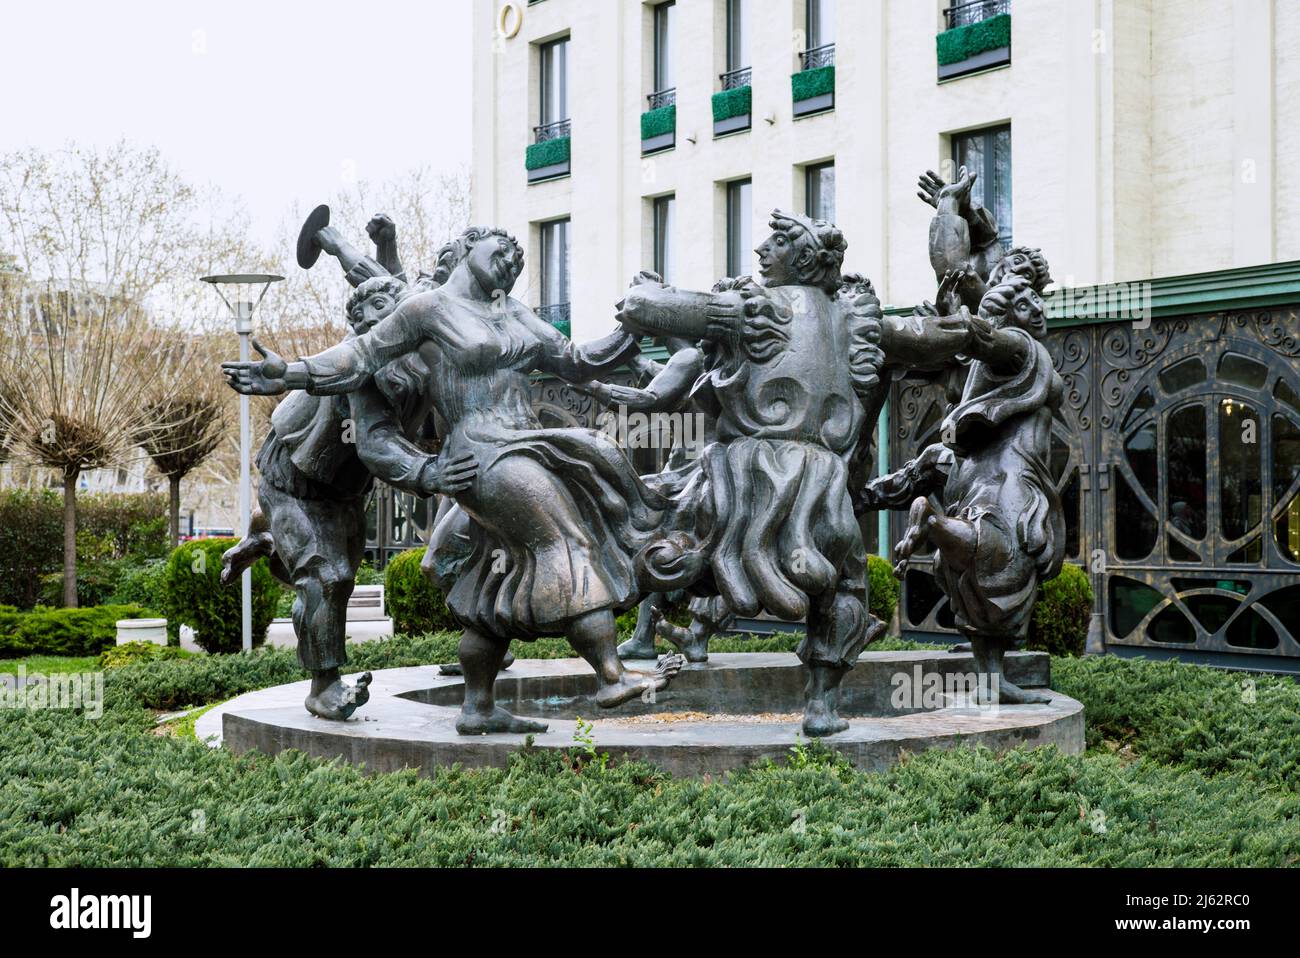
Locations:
729 103
1059 623
194 596
882 589
962 43
414 602
658 122
547 153
109 526
45 631
810 83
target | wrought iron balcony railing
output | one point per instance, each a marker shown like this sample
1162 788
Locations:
735 79
961 14
551 131
557 314
822 56
662 98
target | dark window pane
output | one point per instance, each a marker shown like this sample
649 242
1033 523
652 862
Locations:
1286 468
1130 601
820 190
1284 392
1070 507
665 23
737 34
1185 454
1285 605
1143 402
665 210
1170 625
739 244
1239 468
1135 526
1140 450
1182 374
923 594
555 263
1241 370
1250 631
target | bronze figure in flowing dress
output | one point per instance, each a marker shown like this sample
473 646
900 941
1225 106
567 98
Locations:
998 529
545 540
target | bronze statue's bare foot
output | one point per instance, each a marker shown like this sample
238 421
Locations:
918 527
472 722
819 719
633 684
454 668
242 556
1011 694
634 649
694 647
338 700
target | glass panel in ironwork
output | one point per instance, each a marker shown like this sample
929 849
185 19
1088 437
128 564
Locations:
1240 480
1185 456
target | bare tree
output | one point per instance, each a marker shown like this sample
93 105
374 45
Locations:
184 415
99 239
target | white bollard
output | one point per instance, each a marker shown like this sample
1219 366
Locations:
142 630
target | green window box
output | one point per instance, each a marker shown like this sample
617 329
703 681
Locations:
973 39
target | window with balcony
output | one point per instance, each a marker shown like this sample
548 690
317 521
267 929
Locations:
659 122
548 156
740 246
732 104
813 87
819 191
976 37
988 153
554 305
665 217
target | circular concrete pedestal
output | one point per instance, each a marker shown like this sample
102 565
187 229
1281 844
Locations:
736 710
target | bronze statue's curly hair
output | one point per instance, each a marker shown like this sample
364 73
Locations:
450 255
1035 270
855 284
391 285
826 242
999 299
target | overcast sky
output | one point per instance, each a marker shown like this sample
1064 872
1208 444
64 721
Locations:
272 101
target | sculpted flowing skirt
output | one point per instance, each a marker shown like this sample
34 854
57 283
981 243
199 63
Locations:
549 531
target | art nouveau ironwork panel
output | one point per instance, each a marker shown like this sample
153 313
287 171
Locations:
1177 456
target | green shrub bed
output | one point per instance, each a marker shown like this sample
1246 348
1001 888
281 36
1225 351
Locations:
62 631
1187 766
964 42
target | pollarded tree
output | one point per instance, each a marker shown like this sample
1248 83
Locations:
96 236
184 423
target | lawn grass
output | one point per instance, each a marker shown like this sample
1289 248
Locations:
51 664
1182 769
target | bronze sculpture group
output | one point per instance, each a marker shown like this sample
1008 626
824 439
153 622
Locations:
551 531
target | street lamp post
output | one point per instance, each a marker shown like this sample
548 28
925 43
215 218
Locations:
241 305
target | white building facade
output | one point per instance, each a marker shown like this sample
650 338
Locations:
1135 142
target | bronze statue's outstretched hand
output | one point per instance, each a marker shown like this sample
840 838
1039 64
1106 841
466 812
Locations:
450 476
612 394
928 185
264 378
381 229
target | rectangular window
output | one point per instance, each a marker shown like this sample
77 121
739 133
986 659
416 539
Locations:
988 153
739 246
555 264
737 34
665 213
665 21
821 23
819 191
554 77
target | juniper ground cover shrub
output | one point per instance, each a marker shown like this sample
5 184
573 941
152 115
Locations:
1207 779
